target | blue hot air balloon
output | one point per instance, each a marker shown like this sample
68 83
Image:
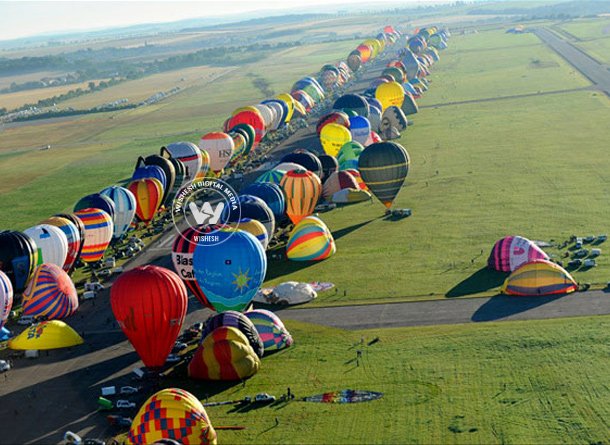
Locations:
96 201
150 171
271 193
229 267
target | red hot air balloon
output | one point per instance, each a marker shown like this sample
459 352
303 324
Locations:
149 303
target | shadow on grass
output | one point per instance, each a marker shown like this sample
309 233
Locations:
502 306
482 280
347 230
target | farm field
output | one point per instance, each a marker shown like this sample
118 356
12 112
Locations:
512 382
10 101
591 35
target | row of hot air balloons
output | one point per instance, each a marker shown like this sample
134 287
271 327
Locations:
370 48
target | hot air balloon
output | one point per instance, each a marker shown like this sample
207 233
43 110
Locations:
224 355
182 258
356 174
169 172
52 243
220 147
287 166
384 167
537 278
6 298
354 61
254 228
72 236
149 303
409 106
334 117
271 330
511 252
365 52
238 321
310 240
250 117
272 176
50 293
172 413
302 189
306 159
390 94
179 181
350 196
329 165
205 165
189 154
239 145
348 155
354 102
148 193
52 334
254 208
81 231
393 122
271 193
333 137
360 128
98 233
96 201
124 207
338 181
231 270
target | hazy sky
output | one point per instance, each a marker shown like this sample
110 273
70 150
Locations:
25 18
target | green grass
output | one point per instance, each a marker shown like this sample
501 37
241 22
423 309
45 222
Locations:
512 382
588 29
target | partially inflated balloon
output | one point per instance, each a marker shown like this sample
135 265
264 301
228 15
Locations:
511 252
238 321
98 233
50 293
302 189
306 159
272 176
384 167
338 181
175 414
6 298
271 193
170 175
230 270
271 329
50 334
220 147
149 196
329 165
333 137
310 240
149 303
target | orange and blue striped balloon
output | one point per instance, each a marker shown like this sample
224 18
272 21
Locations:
50 293
98 233
302 189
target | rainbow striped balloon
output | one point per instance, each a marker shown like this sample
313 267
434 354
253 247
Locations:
274 176
310 240
72 235
271 329
51 293
98 233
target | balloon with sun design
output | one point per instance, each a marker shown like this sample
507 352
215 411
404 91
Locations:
230 270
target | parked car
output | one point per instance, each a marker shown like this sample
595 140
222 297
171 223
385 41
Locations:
72 438
93 442
119 420
26 320
128 390
4 366
263 397
172 358
124 404
179 346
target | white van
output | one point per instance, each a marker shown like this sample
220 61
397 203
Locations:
108 390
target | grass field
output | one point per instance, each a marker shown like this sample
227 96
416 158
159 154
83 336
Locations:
512 382
591 35
10 101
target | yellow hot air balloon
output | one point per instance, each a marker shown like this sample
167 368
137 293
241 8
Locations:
46 335
289 100
333 137
172 413
390 94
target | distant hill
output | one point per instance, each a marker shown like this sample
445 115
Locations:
574 8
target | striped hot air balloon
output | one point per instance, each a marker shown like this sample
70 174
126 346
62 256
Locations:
310 240
539 277
274 176
18 257
254 228
50 293
271 329
149 196
511 252
175 414
189 154
6 298
384 167
124 206
98 233
338 181
72 235
239 321
302 189
225 355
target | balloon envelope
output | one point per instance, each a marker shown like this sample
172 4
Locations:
125 208
51 334
52 243
50 293
302 189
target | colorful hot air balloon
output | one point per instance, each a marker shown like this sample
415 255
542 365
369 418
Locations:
306 159
360 128
271 194
384 167
329 165
224 355
170 175
333 137
537 278
238 321
390 94
220 147
302 189
52 243
254 208
148 193
254 228
72 235
230 271
172 413
182 258
511 252
6 298
251 117
81 231
52 334
248 132
179 182
348 155
271 329
149 303
50 293
334 117
273 176
189 154
124 206
205 165
338 181
310 240
96 201
98 233
353 102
